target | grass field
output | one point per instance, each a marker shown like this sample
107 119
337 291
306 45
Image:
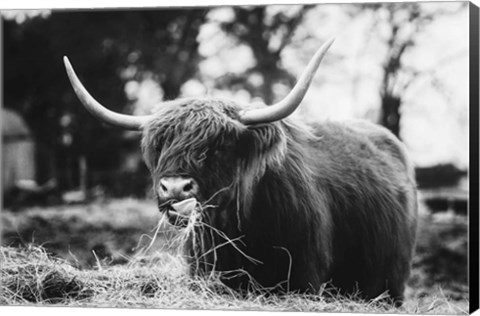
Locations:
103 254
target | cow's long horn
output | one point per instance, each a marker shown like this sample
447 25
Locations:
99 111
290 103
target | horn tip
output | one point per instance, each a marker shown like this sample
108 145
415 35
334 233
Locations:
330 41
66 61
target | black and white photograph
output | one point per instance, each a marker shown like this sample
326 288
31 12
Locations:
308 157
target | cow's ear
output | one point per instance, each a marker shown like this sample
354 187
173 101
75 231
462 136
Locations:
266 142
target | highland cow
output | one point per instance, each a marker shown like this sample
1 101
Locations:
281 204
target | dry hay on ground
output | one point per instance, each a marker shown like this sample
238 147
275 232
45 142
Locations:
135 270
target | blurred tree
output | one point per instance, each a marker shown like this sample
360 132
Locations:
267 34
107 48
399 25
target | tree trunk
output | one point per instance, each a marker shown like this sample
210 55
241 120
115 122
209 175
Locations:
390 113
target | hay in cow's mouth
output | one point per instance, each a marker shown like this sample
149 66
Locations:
182 225
181 213
189 231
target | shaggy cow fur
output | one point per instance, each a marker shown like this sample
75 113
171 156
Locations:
290 206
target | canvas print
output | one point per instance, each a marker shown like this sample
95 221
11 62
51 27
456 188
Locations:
308 157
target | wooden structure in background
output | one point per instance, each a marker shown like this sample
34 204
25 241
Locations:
18 151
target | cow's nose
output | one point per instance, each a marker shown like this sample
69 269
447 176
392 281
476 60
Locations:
177 188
